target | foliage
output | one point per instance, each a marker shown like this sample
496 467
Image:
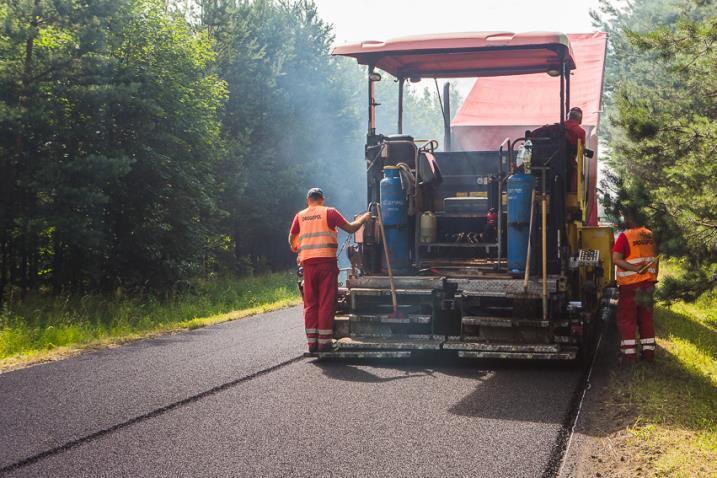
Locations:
109 133
145 142
422 113
661 95
672 402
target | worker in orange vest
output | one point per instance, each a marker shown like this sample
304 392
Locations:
635 256
313 237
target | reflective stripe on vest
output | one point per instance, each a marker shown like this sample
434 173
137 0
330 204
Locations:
642 251
316 239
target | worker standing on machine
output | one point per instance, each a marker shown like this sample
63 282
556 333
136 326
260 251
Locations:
313 237
635 256
573 133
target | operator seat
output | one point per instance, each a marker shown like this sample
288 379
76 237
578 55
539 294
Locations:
401 149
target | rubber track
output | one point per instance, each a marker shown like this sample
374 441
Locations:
154 413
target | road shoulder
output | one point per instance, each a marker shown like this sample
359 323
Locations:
653 419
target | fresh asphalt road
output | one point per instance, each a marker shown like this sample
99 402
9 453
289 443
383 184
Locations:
237 399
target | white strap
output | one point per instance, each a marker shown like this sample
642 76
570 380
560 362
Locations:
640 260
629 351
632 273
648 341
648 347
628 342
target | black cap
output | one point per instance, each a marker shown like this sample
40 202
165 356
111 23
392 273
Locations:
315 193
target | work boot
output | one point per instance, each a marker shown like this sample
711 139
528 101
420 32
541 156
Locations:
328 347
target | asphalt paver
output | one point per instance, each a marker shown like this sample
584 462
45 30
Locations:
306 418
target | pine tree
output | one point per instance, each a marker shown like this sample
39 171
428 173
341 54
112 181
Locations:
664 127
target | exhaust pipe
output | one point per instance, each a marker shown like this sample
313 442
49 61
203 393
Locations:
447 117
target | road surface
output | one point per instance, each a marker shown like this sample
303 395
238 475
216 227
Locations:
238 399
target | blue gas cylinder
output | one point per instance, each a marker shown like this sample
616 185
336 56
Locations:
520 189
394 209
393 199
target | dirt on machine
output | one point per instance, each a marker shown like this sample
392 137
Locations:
482 253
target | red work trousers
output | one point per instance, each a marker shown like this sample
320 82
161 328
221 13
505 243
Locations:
320 287
634 310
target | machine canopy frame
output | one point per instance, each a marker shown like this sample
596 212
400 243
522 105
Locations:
465 55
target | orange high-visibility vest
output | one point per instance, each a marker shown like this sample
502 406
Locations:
642 251
316 238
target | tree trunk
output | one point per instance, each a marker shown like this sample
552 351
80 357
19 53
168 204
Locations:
57 259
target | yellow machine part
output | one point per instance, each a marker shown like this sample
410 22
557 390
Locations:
573 239
601 238
578 201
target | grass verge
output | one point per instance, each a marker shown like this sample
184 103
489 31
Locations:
664 415
41 328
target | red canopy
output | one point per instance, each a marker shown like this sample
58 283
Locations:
463 55
499 108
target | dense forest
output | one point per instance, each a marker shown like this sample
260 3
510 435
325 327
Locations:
661 128
145 142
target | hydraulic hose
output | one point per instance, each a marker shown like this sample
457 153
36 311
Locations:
408 181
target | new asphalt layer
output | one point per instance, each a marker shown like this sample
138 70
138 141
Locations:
238 399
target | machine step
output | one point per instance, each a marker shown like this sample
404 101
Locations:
501 348
397 343
507 288
388 319
387 291
502 322
562 355
365 354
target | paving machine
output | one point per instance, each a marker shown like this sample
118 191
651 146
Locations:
483 254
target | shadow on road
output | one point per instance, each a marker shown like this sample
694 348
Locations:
354 373
501 390
388 370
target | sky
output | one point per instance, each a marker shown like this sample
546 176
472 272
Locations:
358 20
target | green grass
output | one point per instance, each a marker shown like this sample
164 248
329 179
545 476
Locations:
41 327
675 400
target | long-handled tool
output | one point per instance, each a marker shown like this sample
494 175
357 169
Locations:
649 264
394 299
544 244
530 239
